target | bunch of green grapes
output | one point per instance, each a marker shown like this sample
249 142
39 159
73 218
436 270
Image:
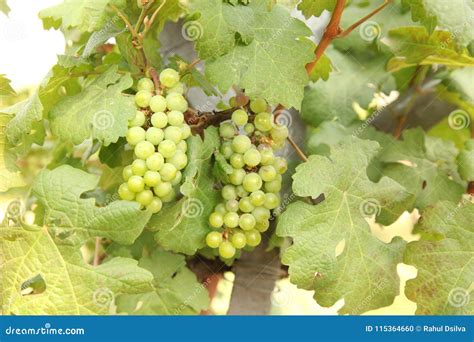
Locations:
252 189
158 136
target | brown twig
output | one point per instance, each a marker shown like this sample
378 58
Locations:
193 64
96 260
297 149
149 23
125 20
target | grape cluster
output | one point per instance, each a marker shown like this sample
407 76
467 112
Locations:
158 135
252 189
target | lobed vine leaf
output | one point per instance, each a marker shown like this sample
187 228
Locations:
316 8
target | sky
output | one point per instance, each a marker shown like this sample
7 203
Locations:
27 52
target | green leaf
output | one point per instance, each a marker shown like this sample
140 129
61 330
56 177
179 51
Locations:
444 258
466 161
100 111
425 165
73 219
271 65
322 69
364 273
456 16
5 87
175 289
316 8
72 287
182 226
4 7
10 177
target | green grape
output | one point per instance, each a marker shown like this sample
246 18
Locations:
158 104
232 205
278 145
267 172
216 220
245 205
220 209
169 197
179 89
167 148
177 178
127 172
228 192
252 182
139 167
226 149
185 131
144 197
237 161
138 120
279 133
252 157
214 239
179 160
155 205
169 77
247 221
136 184
154 135
241 144
272 186
253 237
135 135
240 117
152 178
262 226
175 118
258 105
239 240
272 201
125 193
227 130
268 158
159 120
261 214
182 146
263 122
281 165
233 102
226 250
145 83
168 172
142 98
174 134
231 219
249 128
237 177
177 102
155 161
257 198
144 149
162 189
241 191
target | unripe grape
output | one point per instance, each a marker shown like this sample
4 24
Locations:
237 177
263 122
169 77
231 219
185 131
179 89
177 178
125 193
226 149
257 198
127 172
272 186
233 102
281 165
138 120
169 197
142 98
175 118
213 239
226 250
155 161
144 149
261 214
228 192
167 148
154 135
253 237
252 182
152 178
168 172
239 240
220 209
136 184
245 205
268 158
145 83
240 117
279 133
252 157
177 102
258 105
237 161
159 120
179 160
162 189
278 145
232 205
182 146
216 220
249 128
139 167
155 205
144 197
241 144
158 104
135 135
262 226
247 221
267 172
227 130
173 133
241 191
272 201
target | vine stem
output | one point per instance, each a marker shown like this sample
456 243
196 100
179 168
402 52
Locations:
125 20
96 260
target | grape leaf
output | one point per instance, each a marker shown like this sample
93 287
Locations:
73 219
100 111
444 259
364 274
10 177
4 7
175 289
322 69
272 64
316 8
5 87
182 226
456 16
431 172
72 287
